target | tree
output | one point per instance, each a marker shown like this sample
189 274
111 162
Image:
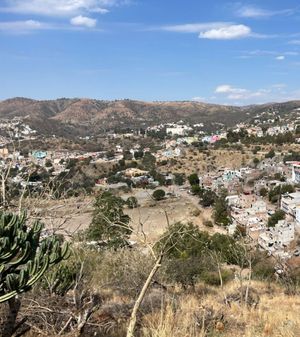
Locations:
194 179
208 198
24 258
48 163
255 161
159 195
132 202
221 213
186 240
109 226
179 179
274 218
277 191
270 154
138 155
263 192
189 254
196 189
148 161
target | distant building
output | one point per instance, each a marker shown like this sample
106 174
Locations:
289 203
178 130
277 238
39 154
296 173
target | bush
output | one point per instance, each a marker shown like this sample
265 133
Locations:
212 278
274 218
194 179
264 270
270 154
159 195
263 192
132 202
179 179
208 223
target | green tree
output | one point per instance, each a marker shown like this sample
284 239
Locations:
274 218
184 240
159 195
109 226
179 179
255 161
221 213
277 191
194 179
148 161
138 155
132 202
207 198
263 192
270 154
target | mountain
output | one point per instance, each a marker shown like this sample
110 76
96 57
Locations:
73 117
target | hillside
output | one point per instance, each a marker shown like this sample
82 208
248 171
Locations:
75 117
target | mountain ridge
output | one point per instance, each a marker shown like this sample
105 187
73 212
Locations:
81 116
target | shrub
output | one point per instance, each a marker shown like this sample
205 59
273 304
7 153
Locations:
132 202
208 223
274 218
159 195
194 179
213 277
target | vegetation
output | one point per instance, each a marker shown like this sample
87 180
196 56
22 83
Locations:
109 226
274 218
159 195
132 202
194 179
24 259
179 179
221 213
277 191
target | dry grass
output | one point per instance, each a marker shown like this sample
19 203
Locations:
276 316
193 161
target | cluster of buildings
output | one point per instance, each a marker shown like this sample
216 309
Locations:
16 128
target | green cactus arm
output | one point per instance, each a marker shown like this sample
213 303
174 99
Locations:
8 296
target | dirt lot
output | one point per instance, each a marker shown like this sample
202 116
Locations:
75 214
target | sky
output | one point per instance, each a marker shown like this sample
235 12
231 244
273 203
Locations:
226 52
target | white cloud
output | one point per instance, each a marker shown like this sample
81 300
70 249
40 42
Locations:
256 12
227 33
195 27
67 8
235 93
199 99
83 21
23 26
214 30
278 55
226 88
295 42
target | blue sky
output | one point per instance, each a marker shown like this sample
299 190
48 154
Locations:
214 51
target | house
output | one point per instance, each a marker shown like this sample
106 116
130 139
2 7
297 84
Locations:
39 154
277 238
178 129
296 172
289 203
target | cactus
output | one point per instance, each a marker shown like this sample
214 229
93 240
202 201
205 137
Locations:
24 255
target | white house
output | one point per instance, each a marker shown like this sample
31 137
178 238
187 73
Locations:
289 203
277 238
